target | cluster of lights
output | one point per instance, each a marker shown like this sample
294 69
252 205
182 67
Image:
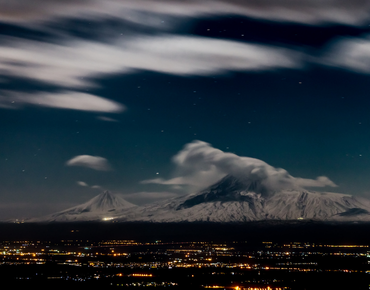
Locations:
259 288
142 275
239 288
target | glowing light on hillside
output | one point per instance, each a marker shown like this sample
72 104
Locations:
107 218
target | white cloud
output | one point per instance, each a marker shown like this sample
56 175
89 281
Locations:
73 63
352 12
68 63
96 187
62 100
93 162
204 56
199 165
349 53
320 181
82 183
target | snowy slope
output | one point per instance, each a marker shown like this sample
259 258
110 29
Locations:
103 206
229 200
314 205
237 200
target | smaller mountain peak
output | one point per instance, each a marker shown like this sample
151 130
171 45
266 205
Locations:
106 196
106 192
105 204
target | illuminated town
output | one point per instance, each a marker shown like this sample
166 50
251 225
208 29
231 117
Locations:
238 265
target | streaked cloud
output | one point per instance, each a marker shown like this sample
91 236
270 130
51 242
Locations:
75 62
106 119
349 53
70 63
205 56
353 12
61 100
199 165
93 162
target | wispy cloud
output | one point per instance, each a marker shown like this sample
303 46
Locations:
61 100
93 162
106 119
199 165
67 64
82 183
305 11
75 62
349 53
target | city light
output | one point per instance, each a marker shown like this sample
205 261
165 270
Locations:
108 218
234 265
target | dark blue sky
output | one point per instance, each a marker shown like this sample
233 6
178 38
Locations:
103 95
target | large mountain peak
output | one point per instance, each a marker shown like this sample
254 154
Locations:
232 183
229 188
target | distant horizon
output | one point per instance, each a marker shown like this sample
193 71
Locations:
230 199
138 201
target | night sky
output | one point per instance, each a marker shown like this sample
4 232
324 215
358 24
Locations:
143 97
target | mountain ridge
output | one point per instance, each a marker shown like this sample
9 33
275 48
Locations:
236 200
231 199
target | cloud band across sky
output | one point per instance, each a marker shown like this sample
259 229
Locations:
75 62
305 11
199 165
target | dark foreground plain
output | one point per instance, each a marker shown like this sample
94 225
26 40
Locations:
303 255
253 231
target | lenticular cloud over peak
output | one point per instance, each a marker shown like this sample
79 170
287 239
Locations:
199 165
93 162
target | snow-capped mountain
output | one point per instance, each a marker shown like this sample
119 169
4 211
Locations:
236 200
231 199
102 206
